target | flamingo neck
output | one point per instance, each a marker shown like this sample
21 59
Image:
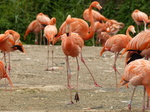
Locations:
128 35
91 31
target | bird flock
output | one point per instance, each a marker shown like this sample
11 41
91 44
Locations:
72 34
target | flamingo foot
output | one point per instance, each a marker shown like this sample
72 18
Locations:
52 69
148 108
129 107
8 68
76 98
69 87
70 103
143 109
97 85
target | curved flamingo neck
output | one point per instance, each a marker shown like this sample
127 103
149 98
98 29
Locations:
128 35
91 31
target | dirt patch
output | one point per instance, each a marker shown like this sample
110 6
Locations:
37 90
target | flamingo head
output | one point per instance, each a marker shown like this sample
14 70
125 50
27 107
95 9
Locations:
96 4
132 29
53 21
18 46
136 10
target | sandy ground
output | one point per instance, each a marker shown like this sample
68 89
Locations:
37 90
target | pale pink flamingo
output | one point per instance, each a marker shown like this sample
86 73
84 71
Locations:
115 44
137 73
36 27
139 18
50 32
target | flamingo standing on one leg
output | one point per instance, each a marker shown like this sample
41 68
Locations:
96 15
72 44
115 44
137 73
50 32
36 28
140 17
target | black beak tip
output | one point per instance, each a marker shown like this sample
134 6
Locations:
18 47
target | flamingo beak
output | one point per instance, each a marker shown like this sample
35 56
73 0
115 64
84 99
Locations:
99 7
18 47
133 31
67 30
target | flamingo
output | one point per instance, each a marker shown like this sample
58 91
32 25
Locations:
43 19
96 15
116 43
49 33
99 27
113 26
140 43
103 37
72 44
81 27
10 41
3 73
105 30
140 17
35 27
137 73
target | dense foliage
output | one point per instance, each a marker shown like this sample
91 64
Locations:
17 14
122 11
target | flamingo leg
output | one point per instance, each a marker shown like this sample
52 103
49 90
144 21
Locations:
52 57
145 25
130 101
68 79
114 66
5 68
115 69
52 69
9 74
5 61
78 68
138 29
36 38
41 37
47 57
95 83
9 66
143 108
147 106
93 41
68 73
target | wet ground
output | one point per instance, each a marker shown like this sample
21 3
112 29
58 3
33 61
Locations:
37 90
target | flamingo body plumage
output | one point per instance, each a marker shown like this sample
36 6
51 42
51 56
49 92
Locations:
137 73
